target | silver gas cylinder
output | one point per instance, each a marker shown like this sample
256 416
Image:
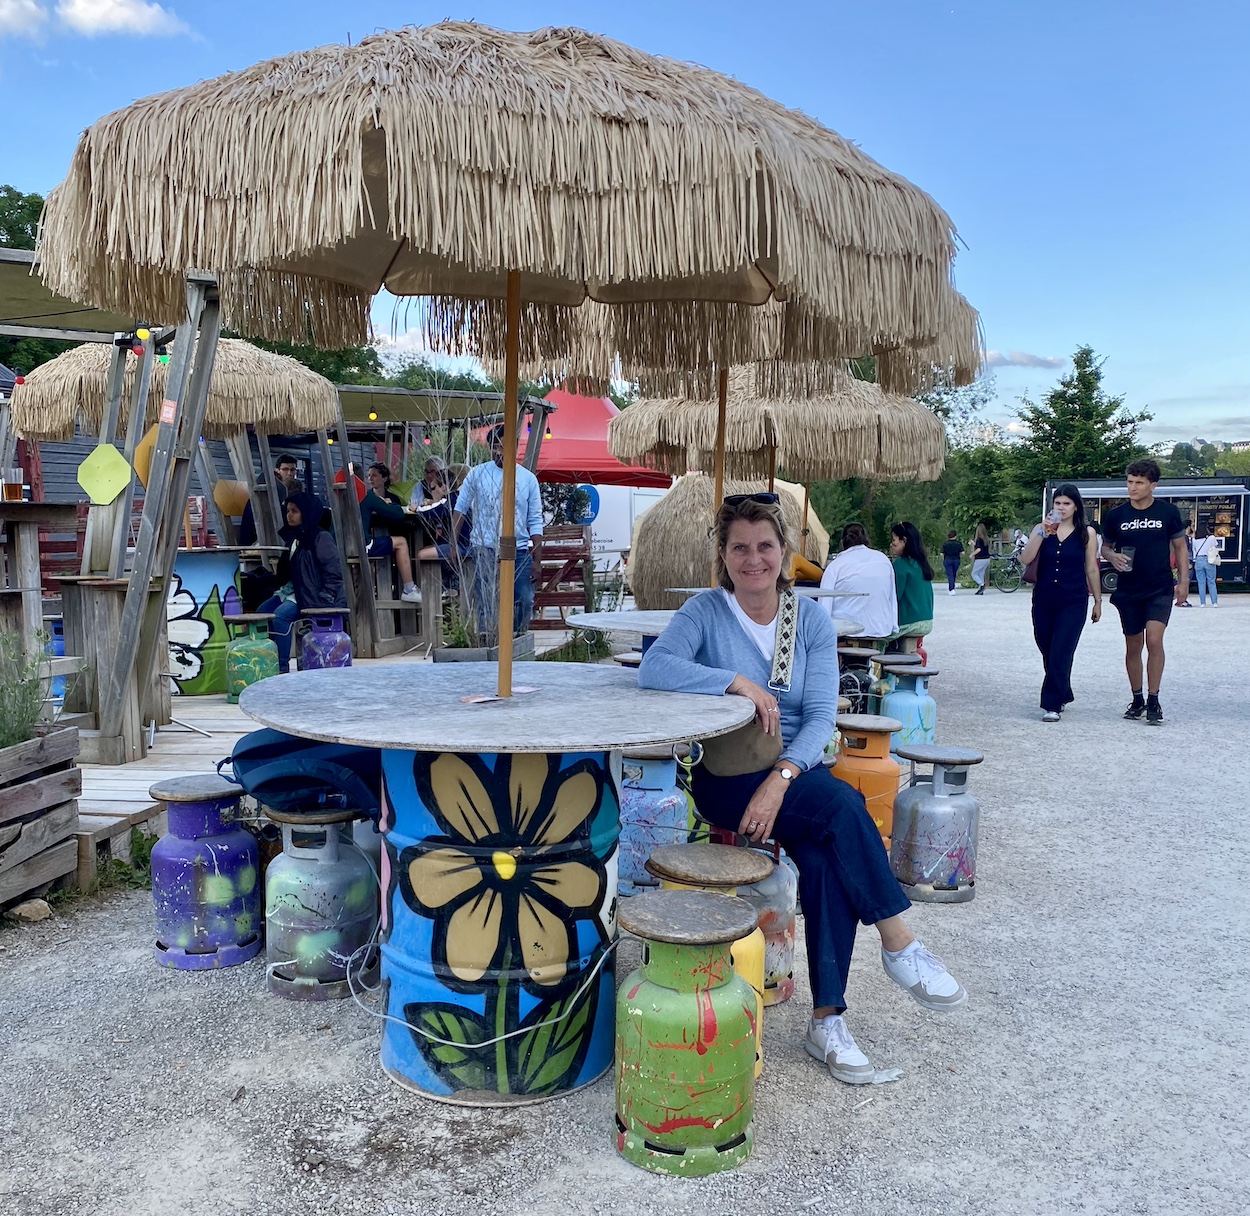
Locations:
933 847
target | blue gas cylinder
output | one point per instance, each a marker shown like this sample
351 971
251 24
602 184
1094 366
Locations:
655 811
912 705
326 643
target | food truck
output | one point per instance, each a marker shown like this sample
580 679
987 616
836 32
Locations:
1219 503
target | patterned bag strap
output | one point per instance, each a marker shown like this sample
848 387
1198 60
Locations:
783 650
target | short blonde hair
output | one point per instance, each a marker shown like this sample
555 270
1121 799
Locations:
751 510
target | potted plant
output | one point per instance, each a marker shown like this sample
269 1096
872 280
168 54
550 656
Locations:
39 781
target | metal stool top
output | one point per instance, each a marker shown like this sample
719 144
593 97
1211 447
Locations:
687 918
709 865
867 722
199 787
936 753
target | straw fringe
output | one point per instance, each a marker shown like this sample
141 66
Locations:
432 159
276 393
672 544
854 430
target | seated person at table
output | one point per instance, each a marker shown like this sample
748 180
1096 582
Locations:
860 568
310 570
381 503
433 484
438 522
721 642
913 582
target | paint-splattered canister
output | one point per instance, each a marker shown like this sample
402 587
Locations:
655 811
252 655
326 643
205 878
911 703
685 1036
864 761
321 908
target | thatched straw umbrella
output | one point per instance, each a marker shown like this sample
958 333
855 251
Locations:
511 177
856 430
276 393
672 543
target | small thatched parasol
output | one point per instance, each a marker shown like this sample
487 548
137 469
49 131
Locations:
856 430
672 543
276 393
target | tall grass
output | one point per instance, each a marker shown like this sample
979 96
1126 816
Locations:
21 688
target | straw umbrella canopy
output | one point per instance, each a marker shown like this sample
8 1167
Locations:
510 178
854 430
275 393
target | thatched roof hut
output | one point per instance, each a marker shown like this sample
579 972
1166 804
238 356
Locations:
855 430
672 542
276 393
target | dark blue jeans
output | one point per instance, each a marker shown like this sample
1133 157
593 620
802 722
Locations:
952 571
844 873
285 614
1057 629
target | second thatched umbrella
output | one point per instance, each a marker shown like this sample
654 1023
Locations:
275 393
854 429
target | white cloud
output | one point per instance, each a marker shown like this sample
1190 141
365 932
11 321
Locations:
92 17
21 17
1020 358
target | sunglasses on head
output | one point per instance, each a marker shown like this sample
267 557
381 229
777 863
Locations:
734 500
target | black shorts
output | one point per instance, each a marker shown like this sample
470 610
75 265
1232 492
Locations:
1135 613
380 546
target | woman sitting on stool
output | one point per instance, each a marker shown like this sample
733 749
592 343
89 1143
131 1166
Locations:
311 573
381 502
722 642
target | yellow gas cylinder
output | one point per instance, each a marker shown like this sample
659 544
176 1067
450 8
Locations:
722 868
864 761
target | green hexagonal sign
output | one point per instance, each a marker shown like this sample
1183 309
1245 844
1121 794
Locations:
104 474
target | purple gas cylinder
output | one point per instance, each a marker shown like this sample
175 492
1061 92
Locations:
205 878
327 643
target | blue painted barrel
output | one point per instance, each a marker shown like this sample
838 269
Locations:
499 911
655 811
911 704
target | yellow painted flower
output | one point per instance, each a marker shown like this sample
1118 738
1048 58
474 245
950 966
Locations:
502 885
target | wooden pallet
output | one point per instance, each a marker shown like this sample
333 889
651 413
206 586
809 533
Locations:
105 836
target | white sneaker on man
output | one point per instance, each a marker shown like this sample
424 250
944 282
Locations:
830 1040
411 595
924 975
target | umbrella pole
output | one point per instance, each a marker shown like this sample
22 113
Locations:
772 469
718 495
507 525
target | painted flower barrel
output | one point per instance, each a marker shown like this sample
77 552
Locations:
499 915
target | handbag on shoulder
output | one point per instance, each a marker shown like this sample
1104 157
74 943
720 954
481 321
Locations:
750 748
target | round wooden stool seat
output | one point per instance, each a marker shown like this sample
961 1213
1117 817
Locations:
867 722
709 865
311 612
318 818
199 787
687 918
857 653
248 618
908 670
898 660
844 705
937 753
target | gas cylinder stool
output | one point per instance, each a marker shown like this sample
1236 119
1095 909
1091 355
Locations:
655 811
854 679
321 907
933 852
251 656
685 1036
882 682
326 643
205 878
912 704
723 869
864 762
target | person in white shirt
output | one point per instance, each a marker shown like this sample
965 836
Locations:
860 568
481 497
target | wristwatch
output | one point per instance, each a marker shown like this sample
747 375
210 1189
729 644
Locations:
786 773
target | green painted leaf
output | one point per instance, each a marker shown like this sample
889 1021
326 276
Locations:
549 1056
460 1063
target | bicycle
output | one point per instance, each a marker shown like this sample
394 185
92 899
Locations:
1007 572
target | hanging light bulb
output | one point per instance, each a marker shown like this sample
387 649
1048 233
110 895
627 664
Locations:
372 416
143 334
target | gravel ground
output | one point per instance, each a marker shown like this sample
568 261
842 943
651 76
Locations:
1098 1067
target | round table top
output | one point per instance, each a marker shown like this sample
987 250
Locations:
687 918
575 707
654 621
709 865
936 753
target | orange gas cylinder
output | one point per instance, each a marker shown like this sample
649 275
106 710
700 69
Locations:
864 761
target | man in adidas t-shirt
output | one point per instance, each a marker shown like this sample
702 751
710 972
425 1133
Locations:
1153 529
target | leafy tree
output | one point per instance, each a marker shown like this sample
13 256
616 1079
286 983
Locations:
1236 463
348 365
1188 460
982 489
1076 431
19 218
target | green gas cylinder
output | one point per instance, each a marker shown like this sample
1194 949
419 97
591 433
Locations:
685 1036
252 655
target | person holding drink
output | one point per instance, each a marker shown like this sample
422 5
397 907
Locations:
1140 538
1067 575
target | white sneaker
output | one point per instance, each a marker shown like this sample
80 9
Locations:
924 975
411 595
829 1040
950 593
1051 715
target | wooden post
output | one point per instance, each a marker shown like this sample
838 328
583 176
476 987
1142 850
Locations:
507 524
8 438
226 534
718 490
135 425
538 432
181 418
772 469
266 483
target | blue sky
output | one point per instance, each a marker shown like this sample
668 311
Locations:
1094 155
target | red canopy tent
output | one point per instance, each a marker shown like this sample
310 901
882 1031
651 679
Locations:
575 446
